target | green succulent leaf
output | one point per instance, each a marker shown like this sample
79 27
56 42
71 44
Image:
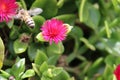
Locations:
28 73
55 49
60 74
67 18
89 14
32 50
110 45
38 22
18 68
43 67
49 7
4 74
10 23
19 46
40 57
2 50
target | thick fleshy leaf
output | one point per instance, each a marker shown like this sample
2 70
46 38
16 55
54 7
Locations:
68 7
49 7
76 32
43 67
60 74
112 60
18 68
55 49
10 23
4 74
14 32
32 50
2 49
19 46
38 22
40 57
110 45
67 18
89 14
40 37
28 73
36 69
53 59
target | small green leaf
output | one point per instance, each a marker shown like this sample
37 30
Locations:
43 67
53 59
5 74
67 8
40 37
18 68
55 49
28 73
14 33
49 7
2 49
89 14
110 45
76 33
60 74
67 18
36 69
38 22
32 50
40 57
19 46
10 23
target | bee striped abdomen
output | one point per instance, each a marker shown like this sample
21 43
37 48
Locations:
25 16
29 21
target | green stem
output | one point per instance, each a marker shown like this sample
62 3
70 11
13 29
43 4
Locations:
76 46
114 23
81 57
81 10
107 29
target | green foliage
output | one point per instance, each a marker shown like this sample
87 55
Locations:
2 50
90 51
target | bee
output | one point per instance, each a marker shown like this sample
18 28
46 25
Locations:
25 15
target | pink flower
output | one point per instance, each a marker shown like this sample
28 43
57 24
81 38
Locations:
54 31
7 9
117 72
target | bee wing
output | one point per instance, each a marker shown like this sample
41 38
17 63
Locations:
17 16
35 11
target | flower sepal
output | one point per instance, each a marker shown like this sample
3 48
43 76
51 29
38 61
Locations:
69 27
40 37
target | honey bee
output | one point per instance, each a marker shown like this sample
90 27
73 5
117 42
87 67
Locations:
25 15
